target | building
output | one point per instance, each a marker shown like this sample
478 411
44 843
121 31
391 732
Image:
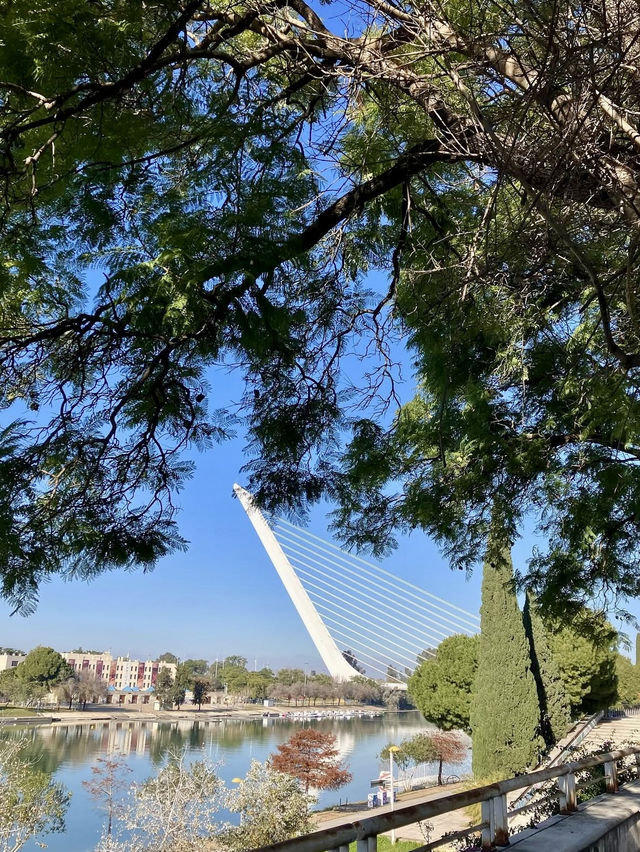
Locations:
10 661
125 678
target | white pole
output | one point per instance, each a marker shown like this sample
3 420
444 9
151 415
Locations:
393 831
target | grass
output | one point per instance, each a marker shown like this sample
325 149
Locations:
18 711
384 845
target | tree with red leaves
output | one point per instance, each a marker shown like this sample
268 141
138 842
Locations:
448 747
312 758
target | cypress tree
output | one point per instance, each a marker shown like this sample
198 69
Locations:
552 697
505 715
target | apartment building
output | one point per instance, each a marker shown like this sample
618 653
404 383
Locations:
10 661
120 673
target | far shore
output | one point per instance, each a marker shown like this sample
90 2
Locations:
103 713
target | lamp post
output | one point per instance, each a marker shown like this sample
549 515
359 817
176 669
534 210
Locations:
392 750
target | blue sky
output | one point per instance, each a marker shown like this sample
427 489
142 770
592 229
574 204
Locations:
222 596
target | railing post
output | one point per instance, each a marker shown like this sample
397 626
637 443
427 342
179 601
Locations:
487 828
567 785
611 776
494 813
500 821
367 844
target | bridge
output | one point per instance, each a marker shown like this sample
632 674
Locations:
386 623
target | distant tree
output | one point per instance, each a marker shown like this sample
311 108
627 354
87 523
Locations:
638 650
289 676
195 668
259 683
67 690
364 689
168 657
311 757
449 747
13 652
351 658
31 804
90 688
108 782
164 687
11 687
505 715
441 686
391 698
82 650
181 683
235 660
628 681
214 675
200 689
235 677
44 667
428 747
401 757
272 808
392 673
585 652
555 709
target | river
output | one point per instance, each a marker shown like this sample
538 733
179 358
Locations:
69 752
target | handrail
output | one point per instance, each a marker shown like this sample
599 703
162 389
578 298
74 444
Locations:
491 796
580 732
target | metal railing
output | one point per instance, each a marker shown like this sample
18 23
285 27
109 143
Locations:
494 827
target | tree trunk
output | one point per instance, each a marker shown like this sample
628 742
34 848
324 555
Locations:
440 773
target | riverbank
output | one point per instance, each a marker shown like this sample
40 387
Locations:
103 713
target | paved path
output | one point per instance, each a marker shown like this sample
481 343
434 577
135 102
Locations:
454 821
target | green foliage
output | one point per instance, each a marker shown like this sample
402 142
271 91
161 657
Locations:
554 704
259 683
200 689
628 678
288 676
505 715
441 686
187 187
585 652
43 667
167 657
181 683
272 808
163 689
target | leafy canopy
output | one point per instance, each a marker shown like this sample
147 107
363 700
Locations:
196 186
441 687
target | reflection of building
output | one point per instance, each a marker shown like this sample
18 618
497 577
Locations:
127 679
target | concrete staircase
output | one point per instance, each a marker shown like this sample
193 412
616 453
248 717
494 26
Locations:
621 730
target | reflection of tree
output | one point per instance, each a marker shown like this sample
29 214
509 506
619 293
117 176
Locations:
61 745
166 738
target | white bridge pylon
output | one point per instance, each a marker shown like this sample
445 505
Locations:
387 623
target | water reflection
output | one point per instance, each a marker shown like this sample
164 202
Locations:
68 751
